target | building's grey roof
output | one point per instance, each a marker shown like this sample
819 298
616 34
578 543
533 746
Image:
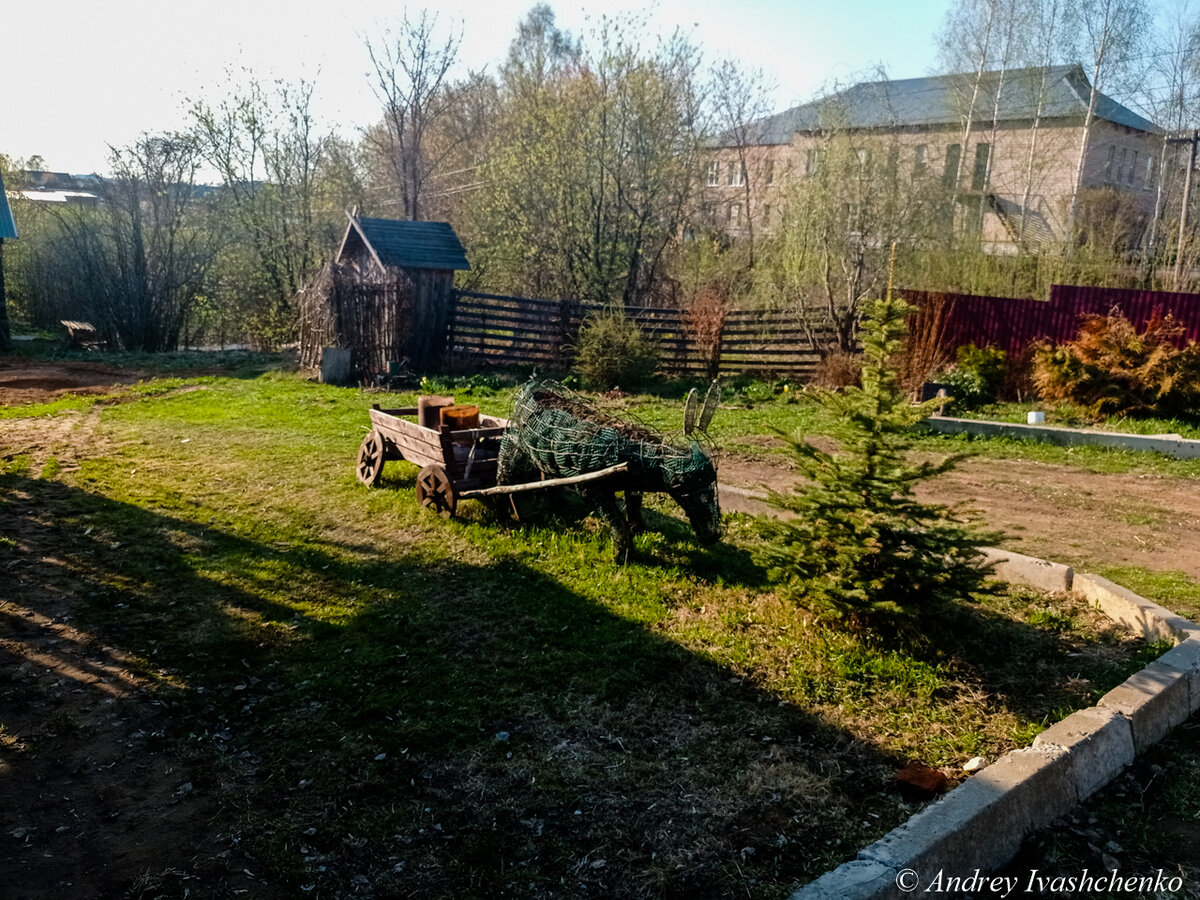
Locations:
941 100
8 227
409 245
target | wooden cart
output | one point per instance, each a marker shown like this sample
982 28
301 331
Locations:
451 461
455 464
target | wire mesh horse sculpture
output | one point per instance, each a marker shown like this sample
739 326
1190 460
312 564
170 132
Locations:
554 434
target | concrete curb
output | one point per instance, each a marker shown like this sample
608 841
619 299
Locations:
1169 444
1029 571
1139 615
981 823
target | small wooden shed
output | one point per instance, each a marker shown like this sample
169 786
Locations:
386 296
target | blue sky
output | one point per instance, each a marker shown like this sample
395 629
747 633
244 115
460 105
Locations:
79 75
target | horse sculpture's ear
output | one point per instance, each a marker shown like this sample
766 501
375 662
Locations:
690 405
711 399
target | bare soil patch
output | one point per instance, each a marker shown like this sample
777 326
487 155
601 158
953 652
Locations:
29 381
1053 511
92 803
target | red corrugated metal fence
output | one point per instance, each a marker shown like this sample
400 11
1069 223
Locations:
1013 323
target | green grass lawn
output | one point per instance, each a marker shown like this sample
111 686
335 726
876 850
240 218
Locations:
472 707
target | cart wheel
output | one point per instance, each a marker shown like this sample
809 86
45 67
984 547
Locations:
370 459
435 491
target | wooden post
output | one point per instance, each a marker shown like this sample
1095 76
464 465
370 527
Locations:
1187 197
5 333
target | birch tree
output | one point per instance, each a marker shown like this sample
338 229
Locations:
1041 48
1110 33
411 80
1171 97
738 96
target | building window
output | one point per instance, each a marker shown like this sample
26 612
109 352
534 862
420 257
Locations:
769 171
1151 173
918 160
953 156
979 174
737 174
814 160
1133 161
735 214
893 162
1121 165
1108 163
714 173
766 216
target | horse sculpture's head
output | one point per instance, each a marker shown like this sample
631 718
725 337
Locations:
691 480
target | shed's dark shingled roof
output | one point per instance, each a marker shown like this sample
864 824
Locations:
942 99
8 228
413 245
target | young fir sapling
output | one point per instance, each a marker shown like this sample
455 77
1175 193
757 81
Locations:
860 546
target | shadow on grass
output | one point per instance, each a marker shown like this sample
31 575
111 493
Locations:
391 720
670 542
397 723
973 643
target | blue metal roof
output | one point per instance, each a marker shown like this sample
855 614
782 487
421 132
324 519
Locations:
941 100
409 245
8 227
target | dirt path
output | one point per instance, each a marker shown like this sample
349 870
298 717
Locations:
1047 510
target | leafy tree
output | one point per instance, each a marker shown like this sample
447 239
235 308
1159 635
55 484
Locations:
830 251
136 264
860 547
285 184
590 174
412 82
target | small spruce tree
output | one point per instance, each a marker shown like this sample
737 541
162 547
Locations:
860 546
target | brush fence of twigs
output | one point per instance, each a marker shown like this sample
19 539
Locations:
373 319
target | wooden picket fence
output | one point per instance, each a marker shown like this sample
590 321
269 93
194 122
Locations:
499 330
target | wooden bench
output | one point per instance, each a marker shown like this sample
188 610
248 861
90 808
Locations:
82 335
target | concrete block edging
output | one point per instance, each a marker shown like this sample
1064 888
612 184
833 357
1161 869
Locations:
981 823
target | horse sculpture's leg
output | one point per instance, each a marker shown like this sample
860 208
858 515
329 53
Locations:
633 510
606 505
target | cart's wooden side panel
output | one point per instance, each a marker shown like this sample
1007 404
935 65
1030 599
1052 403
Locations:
406 440
471 455
468 455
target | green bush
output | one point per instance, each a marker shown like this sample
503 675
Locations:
860 547
977 377
1110 369
611 351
